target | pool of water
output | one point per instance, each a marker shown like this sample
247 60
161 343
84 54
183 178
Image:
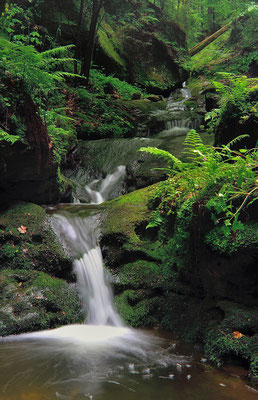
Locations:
79 362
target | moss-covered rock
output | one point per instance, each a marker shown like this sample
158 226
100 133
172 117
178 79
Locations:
123 217
28 242
139 307
32 300
143 53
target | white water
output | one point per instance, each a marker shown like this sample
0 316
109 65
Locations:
179 105
100 190
79 237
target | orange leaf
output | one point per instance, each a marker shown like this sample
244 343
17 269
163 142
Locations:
63 312
19 284
22 229
237 335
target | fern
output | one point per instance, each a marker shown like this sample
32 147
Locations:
165 155
236 139
156 220
4 136
34 68
57 51
194 148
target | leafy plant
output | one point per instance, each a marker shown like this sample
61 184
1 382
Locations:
222 179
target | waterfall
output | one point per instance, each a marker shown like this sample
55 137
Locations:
178 120
79 237
100 190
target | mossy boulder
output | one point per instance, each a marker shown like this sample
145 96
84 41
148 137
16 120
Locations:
33 300
143 53
126 217
28 242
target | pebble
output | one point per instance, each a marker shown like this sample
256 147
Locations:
222 384
179 367
203 360
146 371
189 377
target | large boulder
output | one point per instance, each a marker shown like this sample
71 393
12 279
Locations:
143 54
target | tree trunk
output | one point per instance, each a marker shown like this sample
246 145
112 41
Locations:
194 50
77 46
36 133
96 7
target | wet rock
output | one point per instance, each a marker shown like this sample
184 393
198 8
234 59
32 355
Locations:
36 246
32 300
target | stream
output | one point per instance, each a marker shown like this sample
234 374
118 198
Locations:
103 359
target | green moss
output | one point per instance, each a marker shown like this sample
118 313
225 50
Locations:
127 212
231 243
140 274
32 300
254 367
108 41
138 308
37 247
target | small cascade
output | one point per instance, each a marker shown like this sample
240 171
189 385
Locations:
79 237
177 119
100 190
173 105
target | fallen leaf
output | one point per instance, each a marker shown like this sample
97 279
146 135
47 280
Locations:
19 284
63 312
28 213
22 229
237 335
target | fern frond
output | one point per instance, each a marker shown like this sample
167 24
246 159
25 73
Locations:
193 139
165 155
63 74
156 220
57 61
194 148
236 139
57 50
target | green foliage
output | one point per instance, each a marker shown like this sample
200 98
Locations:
236 103
4 136
234 51
227 241
98 79
222 179
165 155
34 68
